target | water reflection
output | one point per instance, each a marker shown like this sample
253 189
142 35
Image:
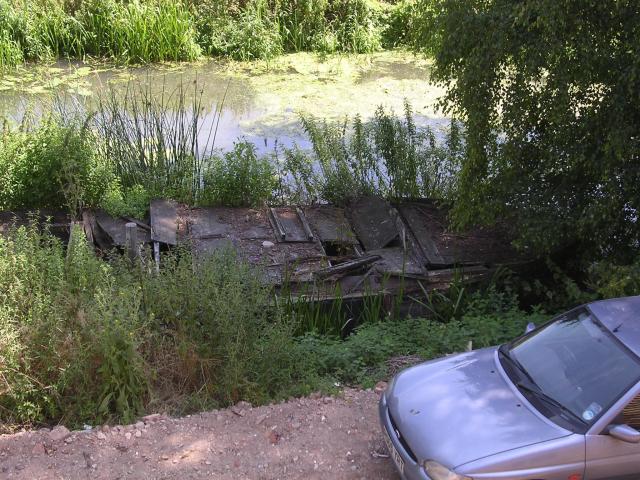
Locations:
260 104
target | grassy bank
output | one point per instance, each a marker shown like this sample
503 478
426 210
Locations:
195 335
141 31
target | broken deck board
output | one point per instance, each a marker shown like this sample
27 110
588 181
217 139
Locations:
419 227
475 246
395 261
290 224
208 223
331 225
347 267
164 221
115 228
372 222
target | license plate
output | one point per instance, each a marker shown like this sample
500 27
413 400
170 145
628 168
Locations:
397 459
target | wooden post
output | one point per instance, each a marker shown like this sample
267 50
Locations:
156 255
133 248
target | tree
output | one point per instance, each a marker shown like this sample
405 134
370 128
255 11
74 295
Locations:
550 94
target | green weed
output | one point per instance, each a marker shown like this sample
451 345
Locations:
52 164
238 178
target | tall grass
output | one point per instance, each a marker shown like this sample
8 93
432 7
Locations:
131 32
389 156
156 140
197 333
139 31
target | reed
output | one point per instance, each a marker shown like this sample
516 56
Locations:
140 31
389 156
157 140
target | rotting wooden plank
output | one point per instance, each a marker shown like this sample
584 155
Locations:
208 223
447 275
141 224
373 223
164 221
87 225
290 225
305 224
115 228
330 224
346 267
396 261
278 227
418 225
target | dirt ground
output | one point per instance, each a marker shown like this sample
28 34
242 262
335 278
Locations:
310 438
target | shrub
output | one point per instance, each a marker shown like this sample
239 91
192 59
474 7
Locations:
51 165
238 178
250 34
389 156
610 280
362 357
201 330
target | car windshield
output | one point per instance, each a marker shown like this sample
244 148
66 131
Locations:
577 363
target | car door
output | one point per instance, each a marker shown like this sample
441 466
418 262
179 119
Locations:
608 458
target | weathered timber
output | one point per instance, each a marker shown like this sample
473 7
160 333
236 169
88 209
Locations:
330 224
132 245
115 228
421 230
87 224
305 224
290 225
373 223
164 221
347 267
397 261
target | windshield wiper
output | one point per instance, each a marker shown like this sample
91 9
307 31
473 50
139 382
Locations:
504 351
535 390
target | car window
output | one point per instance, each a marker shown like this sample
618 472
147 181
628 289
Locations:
577 362
631 413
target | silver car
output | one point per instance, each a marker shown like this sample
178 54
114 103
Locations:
562 402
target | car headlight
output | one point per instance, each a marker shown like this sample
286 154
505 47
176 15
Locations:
440 472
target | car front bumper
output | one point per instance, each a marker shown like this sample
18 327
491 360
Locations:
411 470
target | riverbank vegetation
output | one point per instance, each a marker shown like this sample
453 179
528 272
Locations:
137 146
548 145
195 335
141 31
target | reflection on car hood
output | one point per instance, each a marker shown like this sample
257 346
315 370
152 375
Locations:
460 408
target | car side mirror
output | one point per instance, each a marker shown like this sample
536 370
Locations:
530 327
625 433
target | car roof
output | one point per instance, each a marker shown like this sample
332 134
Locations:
621 316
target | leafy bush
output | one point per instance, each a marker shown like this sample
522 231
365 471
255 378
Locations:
549 107
203 330
250 34
126 202
362 357
610 280
51 165
238 178
388 156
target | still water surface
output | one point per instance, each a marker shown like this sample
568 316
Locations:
259 102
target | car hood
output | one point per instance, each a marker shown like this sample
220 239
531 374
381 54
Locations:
460 408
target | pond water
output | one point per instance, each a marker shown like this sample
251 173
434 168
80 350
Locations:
260 102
